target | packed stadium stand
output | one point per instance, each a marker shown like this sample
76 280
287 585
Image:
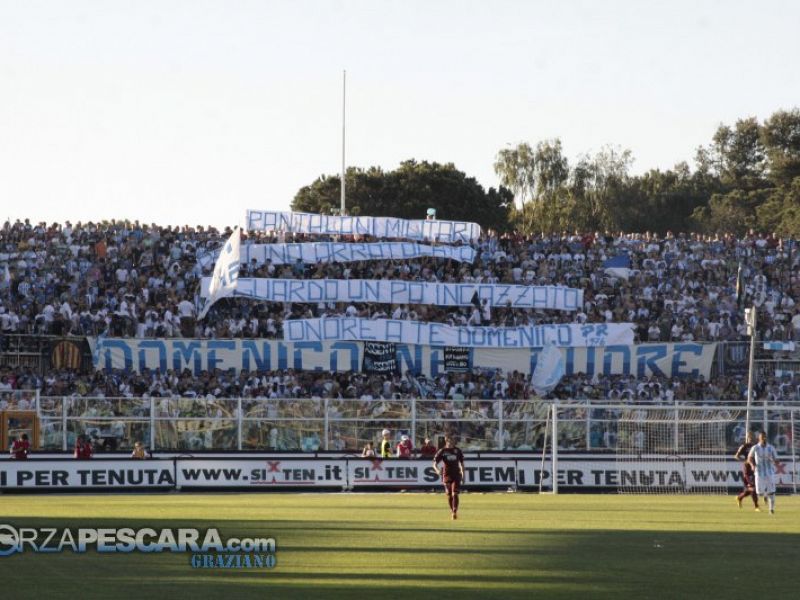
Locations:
130 280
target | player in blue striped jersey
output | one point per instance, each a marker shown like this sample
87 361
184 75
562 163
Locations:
763 459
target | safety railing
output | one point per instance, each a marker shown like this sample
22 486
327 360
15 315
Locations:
310 425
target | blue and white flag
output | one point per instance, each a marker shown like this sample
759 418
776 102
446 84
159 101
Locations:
5 277
549 370
618 266
97 346
226 272
779 346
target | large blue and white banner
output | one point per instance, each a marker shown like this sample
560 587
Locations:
196 355
439 334
385 291
448 232
340 252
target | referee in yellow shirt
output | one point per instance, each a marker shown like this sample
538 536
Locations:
386 445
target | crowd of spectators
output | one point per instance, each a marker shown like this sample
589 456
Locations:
133 280
480 385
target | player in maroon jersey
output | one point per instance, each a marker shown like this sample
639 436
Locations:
748 475
452 472
21 447
83 448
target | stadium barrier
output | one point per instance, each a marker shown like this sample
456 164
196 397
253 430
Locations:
336 425
574 473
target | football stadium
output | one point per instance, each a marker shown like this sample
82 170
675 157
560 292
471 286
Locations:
562 377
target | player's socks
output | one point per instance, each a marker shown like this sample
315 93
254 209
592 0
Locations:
771 502
739 500
455 502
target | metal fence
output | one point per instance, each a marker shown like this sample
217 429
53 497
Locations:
309 425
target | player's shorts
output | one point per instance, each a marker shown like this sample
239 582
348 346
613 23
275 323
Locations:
748 478
452 485
765 484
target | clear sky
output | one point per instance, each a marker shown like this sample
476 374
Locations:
192 111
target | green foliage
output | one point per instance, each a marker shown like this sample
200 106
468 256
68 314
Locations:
736 155
745 178
780 136
408 192
732 212
781 211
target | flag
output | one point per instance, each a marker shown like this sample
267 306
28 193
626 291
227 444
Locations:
226 272
549 370
618 266
739 287
97 345
779 346
6 276
475 300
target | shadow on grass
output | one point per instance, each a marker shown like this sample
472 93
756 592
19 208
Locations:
316 559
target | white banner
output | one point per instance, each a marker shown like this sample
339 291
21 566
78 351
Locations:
670 475
269 473
584 472
439 334
379 227
386 291
673 474
415 473
94 473
341 252
639 360
198 355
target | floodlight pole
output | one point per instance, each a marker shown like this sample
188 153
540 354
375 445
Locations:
342 210
750 320
554 444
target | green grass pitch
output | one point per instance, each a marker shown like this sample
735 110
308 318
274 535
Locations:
382 546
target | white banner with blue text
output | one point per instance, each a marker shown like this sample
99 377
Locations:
667 360
438 334
448 232
341 252
385 291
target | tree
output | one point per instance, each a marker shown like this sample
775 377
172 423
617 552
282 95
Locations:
551 168
780 136
516 168
733 212
662 201
408 192
599 180
736 155
781 211
748 176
